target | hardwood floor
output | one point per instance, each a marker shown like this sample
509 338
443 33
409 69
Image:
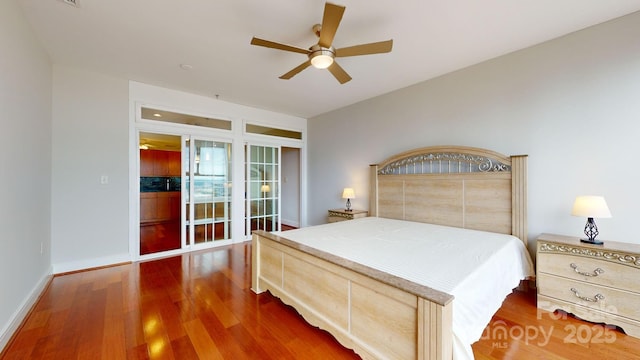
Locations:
162 236
519 330
200 306
159 236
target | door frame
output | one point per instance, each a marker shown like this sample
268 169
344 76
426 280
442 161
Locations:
143 95
266 140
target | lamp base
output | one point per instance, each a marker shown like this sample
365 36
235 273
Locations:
591 230
592 241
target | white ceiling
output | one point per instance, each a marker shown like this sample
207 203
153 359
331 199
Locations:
147 40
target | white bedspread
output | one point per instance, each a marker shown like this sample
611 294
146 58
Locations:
478 268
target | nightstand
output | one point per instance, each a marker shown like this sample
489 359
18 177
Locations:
598 283
336 215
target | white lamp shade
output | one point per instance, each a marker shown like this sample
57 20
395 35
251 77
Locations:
591 206
348 193
265 188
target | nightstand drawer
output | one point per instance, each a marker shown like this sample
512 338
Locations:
613 301
590 270
600 283
333 219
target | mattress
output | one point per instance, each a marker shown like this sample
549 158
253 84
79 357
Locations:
478 268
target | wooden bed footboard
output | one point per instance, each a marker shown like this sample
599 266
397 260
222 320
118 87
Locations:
373 313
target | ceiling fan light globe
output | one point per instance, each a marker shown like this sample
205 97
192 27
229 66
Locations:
320 57
321 61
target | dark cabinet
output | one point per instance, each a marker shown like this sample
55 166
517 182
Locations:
159 163
159 206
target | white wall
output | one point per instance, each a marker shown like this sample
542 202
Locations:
25 163
90 139
571 104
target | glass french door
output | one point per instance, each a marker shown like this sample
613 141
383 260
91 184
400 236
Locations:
207 191
262 188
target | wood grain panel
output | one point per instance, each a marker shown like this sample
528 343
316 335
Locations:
387 325
487 204
331 292
271 264
437 201
390 198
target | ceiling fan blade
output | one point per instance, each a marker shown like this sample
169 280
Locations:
330 21
279 46
366 49
296 70
339 73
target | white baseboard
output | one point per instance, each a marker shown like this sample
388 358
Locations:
23 310
90 263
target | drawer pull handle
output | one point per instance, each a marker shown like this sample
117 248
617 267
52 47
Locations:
595 272
596 298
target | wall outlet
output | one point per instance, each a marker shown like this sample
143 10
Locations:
104 179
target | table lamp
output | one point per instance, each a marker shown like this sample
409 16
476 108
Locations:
591 207
348 194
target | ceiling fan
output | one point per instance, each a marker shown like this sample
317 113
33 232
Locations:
322 55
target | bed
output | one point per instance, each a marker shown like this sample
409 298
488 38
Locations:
410 281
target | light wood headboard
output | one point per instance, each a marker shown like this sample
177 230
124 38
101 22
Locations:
456 186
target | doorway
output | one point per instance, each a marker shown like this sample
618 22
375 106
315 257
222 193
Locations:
160 192
221 194
291 192
262 188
